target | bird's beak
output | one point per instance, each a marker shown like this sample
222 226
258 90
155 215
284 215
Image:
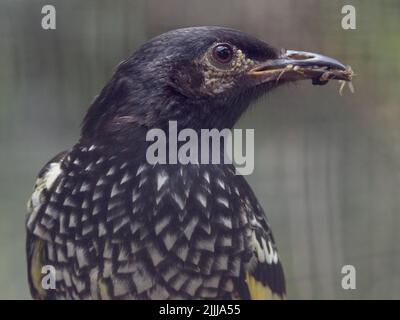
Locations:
299 65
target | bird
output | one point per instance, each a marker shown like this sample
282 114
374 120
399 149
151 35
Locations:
114 226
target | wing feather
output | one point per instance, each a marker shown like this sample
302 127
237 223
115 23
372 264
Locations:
262 275
36 249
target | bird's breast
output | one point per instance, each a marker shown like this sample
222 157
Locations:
124 229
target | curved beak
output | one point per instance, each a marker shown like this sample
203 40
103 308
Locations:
294 65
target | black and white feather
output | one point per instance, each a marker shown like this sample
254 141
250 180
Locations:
115 227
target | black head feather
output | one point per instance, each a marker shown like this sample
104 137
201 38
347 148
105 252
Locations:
165 80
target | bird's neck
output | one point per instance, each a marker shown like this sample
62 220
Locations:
125 112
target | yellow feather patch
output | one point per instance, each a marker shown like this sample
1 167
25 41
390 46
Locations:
259 291
36 269
104 290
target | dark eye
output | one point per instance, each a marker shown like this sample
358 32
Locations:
223 53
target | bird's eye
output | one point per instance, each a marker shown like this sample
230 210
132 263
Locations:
223 53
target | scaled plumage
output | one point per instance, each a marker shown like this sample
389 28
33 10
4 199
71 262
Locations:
115 227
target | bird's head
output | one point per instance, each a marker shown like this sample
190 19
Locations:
202 77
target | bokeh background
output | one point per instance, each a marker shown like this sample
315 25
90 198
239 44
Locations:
327 168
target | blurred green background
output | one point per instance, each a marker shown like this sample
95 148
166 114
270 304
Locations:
327 168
